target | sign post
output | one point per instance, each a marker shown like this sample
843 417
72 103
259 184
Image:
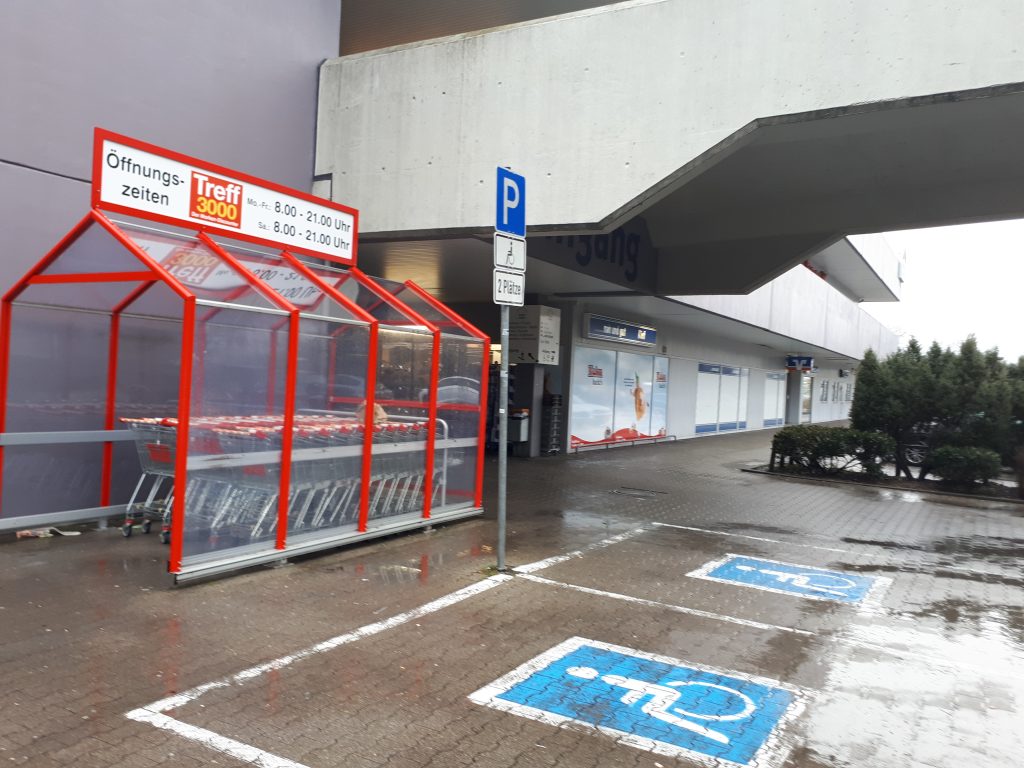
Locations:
509 288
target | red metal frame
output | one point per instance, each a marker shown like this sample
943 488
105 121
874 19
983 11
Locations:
366 468
485 370
166 277
111 406
100 135
485 362
94 277
188 328
435 372
108 418
33 276
5 356
435 365
55 252
288 426
368 413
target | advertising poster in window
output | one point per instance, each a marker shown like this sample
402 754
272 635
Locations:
633 386
659 398
592 406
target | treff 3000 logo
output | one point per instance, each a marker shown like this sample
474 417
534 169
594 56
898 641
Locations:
218 201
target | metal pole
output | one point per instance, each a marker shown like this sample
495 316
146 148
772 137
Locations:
502 437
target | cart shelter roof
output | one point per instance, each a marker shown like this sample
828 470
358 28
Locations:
110 266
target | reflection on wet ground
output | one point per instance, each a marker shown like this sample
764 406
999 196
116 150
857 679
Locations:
928 675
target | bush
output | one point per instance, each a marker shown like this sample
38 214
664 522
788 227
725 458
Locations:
966 465
831 450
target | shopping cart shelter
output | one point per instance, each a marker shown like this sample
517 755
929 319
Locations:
211 361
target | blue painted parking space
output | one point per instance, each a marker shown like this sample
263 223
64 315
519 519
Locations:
792 579
653 702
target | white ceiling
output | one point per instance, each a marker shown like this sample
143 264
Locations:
459 271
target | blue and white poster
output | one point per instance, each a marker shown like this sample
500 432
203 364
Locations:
652 702
805 581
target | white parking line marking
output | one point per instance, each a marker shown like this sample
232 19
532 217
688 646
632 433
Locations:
828 636
153 713
215 741
667 606
180 699
753 538
550 561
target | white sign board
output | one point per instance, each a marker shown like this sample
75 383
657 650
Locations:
509 287
534 335
140 179
509 252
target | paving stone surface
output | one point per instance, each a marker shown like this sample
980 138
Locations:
928 670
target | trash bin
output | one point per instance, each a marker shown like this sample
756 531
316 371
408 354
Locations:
519 426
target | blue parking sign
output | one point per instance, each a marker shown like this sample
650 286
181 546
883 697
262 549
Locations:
510 217
657 703
791 579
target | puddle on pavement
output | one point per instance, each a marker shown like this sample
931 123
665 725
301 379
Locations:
914 497
876 708
959 550
933 569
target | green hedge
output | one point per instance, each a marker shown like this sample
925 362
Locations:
831 450
965 465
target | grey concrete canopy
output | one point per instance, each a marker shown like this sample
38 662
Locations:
748 135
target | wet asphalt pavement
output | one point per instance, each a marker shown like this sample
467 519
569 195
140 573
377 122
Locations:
668 610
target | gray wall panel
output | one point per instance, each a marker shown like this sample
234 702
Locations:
231 81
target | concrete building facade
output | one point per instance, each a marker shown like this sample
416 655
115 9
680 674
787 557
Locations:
693 167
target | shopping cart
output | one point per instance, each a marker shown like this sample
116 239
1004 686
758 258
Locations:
234 476
153 496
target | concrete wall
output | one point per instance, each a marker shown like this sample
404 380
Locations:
413 134
878 254
802 306
828 397
230 81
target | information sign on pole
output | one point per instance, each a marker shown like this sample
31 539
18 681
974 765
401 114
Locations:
509 252
509 286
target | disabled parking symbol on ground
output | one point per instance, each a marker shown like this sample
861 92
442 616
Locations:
657 703
791 579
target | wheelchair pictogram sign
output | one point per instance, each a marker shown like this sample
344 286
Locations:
653 702
788 578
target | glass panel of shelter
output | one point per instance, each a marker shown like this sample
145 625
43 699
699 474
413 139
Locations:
333 347
260 322
405 480
58 374
258 463
459 394
233 482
